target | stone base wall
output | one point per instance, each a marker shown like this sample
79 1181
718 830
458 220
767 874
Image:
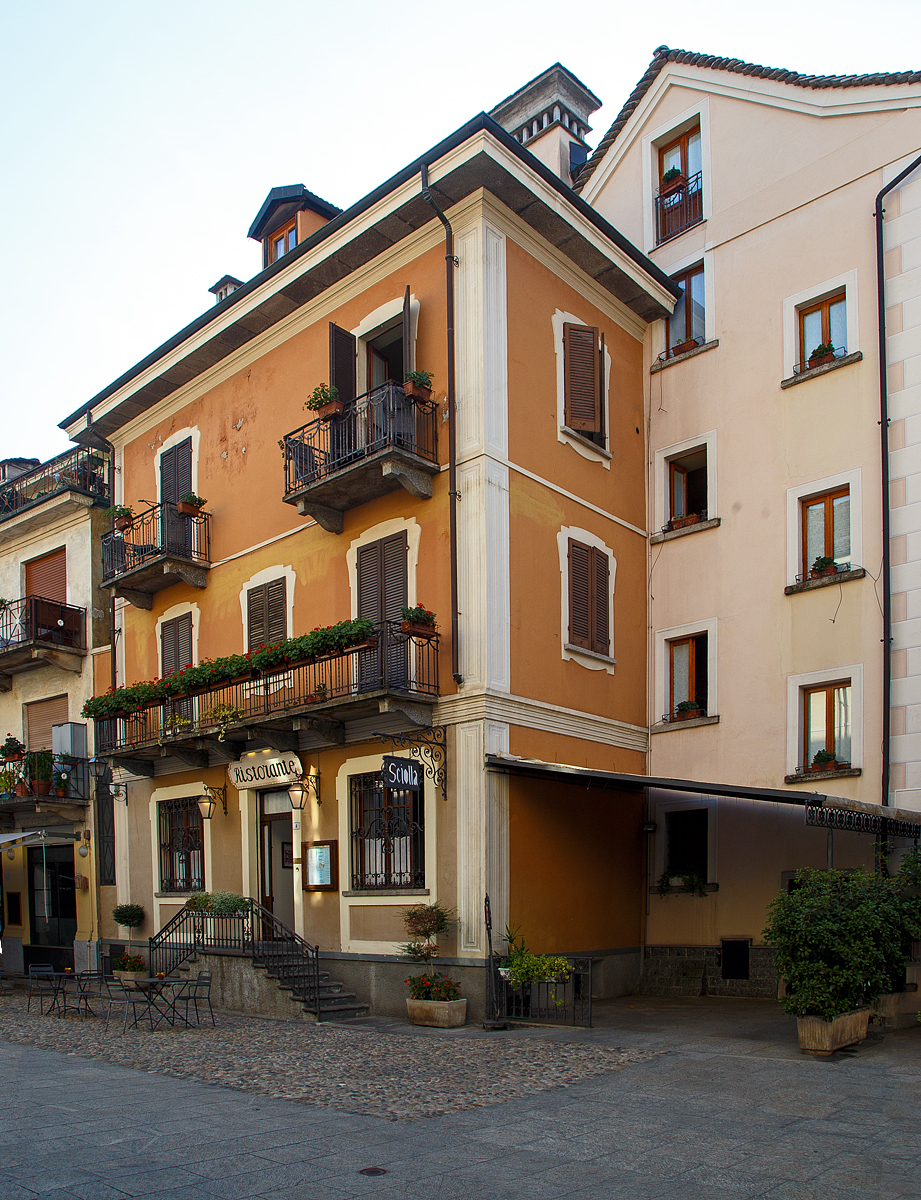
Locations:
238 986
378 982
697 971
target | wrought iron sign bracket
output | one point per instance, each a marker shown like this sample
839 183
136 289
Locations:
429 746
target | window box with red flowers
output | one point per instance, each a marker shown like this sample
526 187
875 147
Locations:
418 621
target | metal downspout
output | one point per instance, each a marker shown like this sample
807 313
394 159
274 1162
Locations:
879 213
450 264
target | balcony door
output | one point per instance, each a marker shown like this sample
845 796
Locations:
175 482
382 590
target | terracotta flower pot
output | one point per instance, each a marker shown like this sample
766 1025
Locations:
331 409
821 360
42 787
828 766
442 1014
818 1036
683 522
673 185
689 715
124 523
187 510
415 391
417 630
824 572
684 347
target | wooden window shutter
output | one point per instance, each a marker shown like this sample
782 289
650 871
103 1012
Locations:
47 577
382 578
342 352
369 581
267 613
255 618
581 387
176 472
601 637
41 717
580 595
407 339
176 644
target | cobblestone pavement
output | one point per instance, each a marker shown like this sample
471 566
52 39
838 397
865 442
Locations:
729 1110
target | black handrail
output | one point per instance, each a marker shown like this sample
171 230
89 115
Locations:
679 208
38 619
376 420
80 470
155 532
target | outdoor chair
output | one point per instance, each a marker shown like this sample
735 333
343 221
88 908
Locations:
41 984
90 985
130 1001
196 991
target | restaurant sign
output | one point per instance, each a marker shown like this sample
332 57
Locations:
265 771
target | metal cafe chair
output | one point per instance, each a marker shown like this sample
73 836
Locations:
90 987
130 1001
41 984
196 991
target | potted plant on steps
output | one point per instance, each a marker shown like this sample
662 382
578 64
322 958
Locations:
418 386
836 937
434 998
126 968
190 505
324 401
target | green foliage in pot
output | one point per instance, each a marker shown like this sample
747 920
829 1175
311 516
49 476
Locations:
129 916
8 780
221 715
823 350
224 904
12 747
822 563
671 175
321 394
523 967
424 925
41 765
119 510
842 938
419 615
693 883
191 498
822 757
199 902
130 962
420 378
687 706
432 986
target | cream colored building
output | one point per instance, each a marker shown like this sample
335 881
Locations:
755 190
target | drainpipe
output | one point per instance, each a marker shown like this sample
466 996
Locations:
879 213
453 494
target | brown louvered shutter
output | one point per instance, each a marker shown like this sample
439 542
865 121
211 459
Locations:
176 644
580 595
342 350
176 472
41 717
47 577
581 390
255 617
407 340
601 634
369 582
267 613
393 552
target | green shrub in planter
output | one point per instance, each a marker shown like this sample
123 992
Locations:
129 916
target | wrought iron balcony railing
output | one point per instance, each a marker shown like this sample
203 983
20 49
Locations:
41 773
35 619
379 420
678 208
80 470
389 662
158 532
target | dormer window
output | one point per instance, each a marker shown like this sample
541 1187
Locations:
281 242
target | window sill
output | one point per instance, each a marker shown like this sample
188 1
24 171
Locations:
810 585
671 534
679 891
815 777
172 895
823 370
670 362
390 892
586 442
675 726
589 654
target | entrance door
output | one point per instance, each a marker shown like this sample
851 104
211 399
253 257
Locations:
52 905
276 863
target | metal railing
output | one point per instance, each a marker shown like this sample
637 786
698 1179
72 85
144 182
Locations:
255 932
839 569
41 773
679 208
377 420
682 347
812 361
80 470
37 619
389 661
158 531
567 1002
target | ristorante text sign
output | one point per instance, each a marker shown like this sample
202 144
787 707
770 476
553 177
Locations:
265 771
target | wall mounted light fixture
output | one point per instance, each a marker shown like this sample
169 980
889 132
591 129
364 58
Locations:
210 800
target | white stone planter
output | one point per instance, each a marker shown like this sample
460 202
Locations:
897 1010
442 1014
818 1036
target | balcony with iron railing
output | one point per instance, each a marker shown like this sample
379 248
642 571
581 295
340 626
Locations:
157 548
678 207
78 479
379 442
390 671
55 781
36 632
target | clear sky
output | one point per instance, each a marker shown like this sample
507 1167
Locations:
138 141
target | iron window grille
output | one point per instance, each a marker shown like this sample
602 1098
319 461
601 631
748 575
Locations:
387 834
182 846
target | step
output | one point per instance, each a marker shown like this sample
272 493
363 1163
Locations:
342 1012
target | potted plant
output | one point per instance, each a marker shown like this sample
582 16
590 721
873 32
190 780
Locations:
324 401
128 969
41 766
12 749
687 710
434 998
190 505
684 521
693 883
835 936
221 715
672 180
176 724
8 780
822 354
61 780
417 385
823 567
418 620
685 346
122 514
824 761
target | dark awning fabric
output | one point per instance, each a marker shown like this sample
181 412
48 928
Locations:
622 781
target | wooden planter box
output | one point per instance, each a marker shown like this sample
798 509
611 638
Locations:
415 391
821 1037
187 510
683 522
417 630
688 716
333 408
442 1014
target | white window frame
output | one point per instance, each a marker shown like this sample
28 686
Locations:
667 454
369 327
569 653
796 685
660 652
652 142
569 437
792 306
682 265
795 495
659 810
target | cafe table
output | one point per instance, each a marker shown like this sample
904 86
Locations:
161 997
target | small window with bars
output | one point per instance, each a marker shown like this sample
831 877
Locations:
387 835
182 846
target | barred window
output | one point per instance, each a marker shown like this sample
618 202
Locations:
387 834
182 846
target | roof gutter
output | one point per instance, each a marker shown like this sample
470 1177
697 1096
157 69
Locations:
879 214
